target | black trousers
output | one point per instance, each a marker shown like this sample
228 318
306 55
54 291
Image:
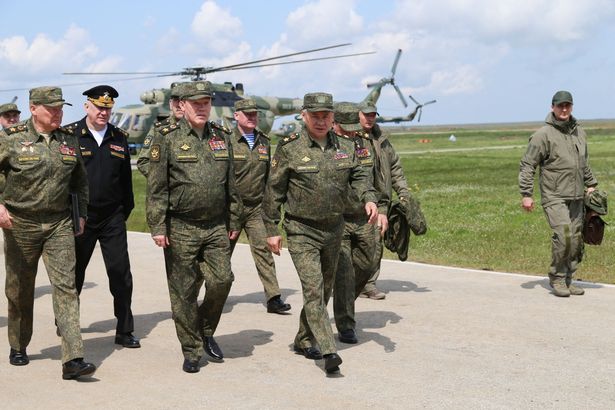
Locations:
111 233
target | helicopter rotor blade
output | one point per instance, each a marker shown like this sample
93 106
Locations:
297 61
394 68
88 83
414 100
430 102
13 100
420 113
401 96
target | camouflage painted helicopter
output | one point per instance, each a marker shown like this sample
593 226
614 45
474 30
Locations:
137 119
290 127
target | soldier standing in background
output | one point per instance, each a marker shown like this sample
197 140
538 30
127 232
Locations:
356 262
388 177
193 209
560 150
311 174
9 115
43 165
251 157
104 149
175 115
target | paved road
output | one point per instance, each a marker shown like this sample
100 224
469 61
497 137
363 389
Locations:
443 338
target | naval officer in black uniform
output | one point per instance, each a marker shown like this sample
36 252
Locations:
104 148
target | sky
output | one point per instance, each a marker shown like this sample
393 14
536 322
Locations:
484 61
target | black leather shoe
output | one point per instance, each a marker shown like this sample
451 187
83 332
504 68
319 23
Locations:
332 362
76 368
309 352
191 366
18 357
276 305
348 336
212 348
127 340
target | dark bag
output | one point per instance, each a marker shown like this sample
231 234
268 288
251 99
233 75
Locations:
593 228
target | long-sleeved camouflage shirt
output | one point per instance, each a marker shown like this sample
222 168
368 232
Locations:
313 183
560 149
191 178
251 166
40 177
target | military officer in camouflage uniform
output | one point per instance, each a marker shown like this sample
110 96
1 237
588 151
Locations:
9 115
176 115
311 174
388 177
356 262
43 165
251 159
193 209
559 148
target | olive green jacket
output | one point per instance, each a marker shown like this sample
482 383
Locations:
251 166
364 151
313 183
560 149
388 172
40 177
191 178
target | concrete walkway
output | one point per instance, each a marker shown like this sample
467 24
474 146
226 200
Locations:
443 338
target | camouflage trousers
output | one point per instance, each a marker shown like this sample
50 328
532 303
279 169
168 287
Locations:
355 266
24 244
566 221
378 250
198 253
314 251
257 236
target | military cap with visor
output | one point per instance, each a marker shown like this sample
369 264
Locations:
176 88
102 95
561 97
368 107
315 102
347 116
195 90
9 107
246 105
47 95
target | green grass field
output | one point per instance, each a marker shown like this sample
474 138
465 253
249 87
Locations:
469 194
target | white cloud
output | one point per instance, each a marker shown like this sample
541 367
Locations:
216 28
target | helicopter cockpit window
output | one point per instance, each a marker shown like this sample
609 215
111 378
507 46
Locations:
138 123
224 99
115 118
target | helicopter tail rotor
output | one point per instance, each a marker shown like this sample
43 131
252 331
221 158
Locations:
419 106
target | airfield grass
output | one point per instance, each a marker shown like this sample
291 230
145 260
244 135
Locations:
469 194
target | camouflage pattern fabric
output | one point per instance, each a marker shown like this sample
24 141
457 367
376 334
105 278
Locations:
191 197
143 158
24 244
199 253
312 183
39 178
355 266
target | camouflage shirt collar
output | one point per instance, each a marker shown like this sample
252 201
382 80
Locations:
331 139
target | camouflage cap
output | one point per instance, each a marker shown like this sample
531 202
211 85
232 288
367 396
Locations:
195 90
9 107
246 105
314 102
561 97
51 96
176 88
368 107
347 116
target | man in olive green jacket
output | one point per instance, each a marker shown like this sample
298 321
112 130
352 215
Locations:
560 149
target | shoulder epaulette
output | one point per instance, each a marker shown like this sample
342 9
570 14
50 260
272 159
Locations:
260 133
346 137
16 128
67 130
220 127
162 123
168 129
292 137
123 132
363 134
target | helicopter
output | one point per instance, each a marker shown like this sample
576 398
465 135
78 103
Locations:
137 119
290 127
418 109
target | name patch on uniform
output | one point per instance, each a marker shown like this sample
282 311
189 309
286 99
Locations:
28 158
221 155
187 158
240 157
307 168
68 158
117 154
154 154
86 153
366 162
262 157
